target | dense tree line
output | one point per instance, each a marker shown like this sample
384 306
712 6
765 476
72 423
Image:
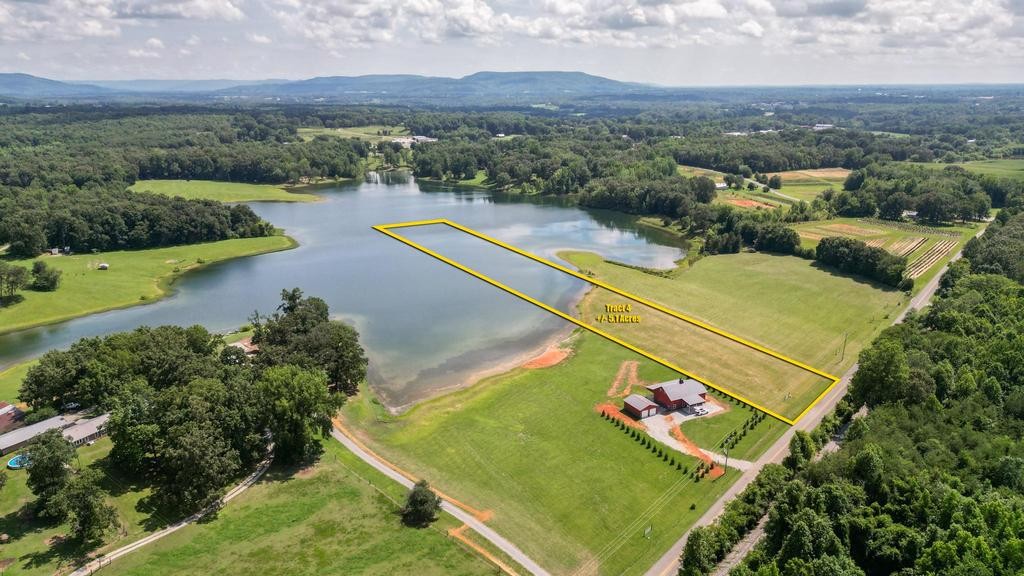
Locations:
116 146
937 196
930 481
189 414
856 257
97 219
1001 249
792 149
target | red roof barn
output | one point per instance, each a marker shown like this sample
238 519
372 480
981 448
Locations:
677 394
639 407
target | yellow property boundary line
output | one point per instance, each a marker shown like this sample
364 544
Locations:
387 230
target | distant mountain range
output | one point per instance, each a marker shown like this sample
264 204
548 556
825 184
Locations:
377 88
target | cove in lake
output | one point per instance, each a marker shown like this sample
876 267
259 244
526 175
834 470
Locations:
425 325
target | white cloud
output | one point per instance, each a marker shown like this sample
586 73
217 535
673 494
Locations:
24 57
185 9
65 20
155 43
752 28
193 40
259 39
141 53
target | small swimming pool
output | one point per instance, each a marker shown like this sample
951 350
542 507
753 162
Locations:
18 462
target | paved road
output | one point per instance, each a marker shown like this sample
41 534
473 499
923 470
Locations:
669 562
463 516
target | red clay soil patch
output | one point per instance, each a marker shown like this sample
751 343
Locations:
627 373
613 411
460 535
693 450
743 203
549 358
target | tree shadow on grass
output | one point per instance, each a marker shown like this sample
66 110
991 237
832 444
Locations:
6 301
831 271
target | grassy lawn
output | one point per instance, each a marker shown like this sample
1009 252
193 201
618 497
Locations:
808 184
134 277
222 191
337 517
369 133
784 303
10 380
31 547
1010 168
709 432
693 171
894 237
568 487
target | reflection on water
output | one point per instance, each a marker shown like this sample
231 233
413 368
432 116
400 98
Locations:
425 325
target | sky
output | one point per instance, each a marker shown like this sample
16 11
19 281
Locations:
677 42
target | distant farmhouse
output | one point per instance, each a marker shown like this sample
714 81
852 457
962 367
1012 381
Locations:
408 141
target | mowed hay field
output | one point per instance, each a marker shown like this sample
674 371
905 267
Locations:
783 303
222 191
561 482
338 516
727 364
371 133
808 184
926 248
1008 168
135 277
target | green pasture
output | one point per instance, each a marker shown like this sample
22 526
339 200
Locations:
1006 168
134 277
222 191
370 133
567 486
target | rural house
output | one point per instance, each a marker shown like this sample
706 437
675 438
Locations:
679 394
639 407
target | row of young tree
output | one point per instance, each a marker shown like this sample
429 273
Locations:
189 415
930 481
97 219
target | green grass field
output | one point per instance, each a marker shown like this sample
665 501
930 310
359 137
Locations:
784 303
693 171
894 237
31 548
222 191
1009 168
568 487
337 517
808 184
368 133
10 380
135 277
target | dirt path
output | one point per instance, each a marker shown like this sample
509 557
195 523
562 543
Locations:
627 373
